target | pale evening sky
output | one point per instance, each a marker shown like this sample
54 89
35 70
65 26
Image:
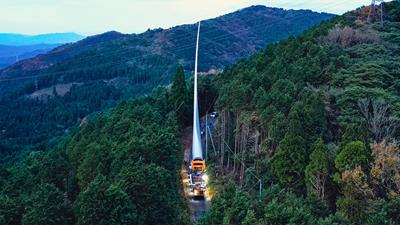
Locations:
134 16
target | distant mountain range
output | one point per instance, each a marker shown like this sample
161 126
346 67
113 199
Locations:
23 40
16 47
12 54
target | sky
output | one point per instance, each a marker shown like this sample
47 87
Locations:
90 17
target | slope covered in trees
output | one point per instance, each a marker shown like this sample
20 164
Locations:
120 168
316 119
103 69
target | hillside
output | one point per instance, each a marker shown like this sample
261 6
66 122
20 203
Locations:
23 40
121 168
41 62
111 67
225 40
11 54
16 47
315 119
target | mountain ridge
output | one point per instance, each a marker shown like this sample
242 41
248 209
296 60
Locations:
140 62
14 39
238 33
17 47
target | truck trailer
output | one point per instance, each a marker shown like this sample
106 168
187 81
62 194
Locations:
198 164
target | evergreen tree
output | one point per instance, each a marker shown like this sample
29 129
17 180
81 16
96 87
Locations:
10 210
91 206
179 96
353 154
103 204
250 218
45 206
317 171
289 161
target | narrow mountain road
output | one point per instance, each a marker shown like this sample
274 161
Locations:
197 206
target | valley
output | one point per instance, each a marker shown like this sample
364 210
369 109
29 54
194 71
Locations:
283 117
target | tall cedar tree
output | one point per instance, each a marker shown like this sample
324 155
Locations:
289 162
317 171
179 96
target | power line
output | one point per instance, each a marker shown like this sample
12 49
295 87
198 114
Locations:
118 63
372 10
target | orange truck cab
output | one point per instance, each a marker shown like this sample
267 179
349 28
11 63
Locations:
198 165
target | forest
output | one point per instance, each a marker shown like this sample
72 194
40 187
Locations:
113 67
121 167
315 119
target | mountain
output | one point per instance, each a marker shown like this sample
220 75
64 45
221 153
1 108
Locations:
66 51
12 54
43 97
304 135
23 40
224 40
16 47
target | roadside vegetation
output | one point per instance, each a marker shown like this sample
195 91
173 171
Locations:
313 118
316 118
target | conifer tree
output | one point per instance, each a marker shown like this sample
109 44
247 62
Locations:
317 171
289 162
179 96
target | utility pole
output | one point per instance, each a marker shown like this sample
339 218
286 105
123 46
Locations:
206 137
372 10
36 85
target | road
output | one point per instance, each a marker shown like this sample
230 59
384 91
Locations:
197 206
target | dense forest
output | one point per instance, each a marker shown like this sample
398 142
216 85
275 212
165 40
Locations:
107 68
315 119
312 120
121 167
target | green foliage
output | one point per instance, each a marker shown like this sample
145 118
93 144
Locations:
279 206
179 97
35 124
154 191
288 210
379 212
10 210
110 67
289 162
250 218
318 170
353 154
45 206
115 169
220 203
103 204
305 91
336 219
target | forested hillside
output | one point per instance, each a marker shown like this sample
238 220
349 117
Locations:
121 168
315 118
43 97
11 54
